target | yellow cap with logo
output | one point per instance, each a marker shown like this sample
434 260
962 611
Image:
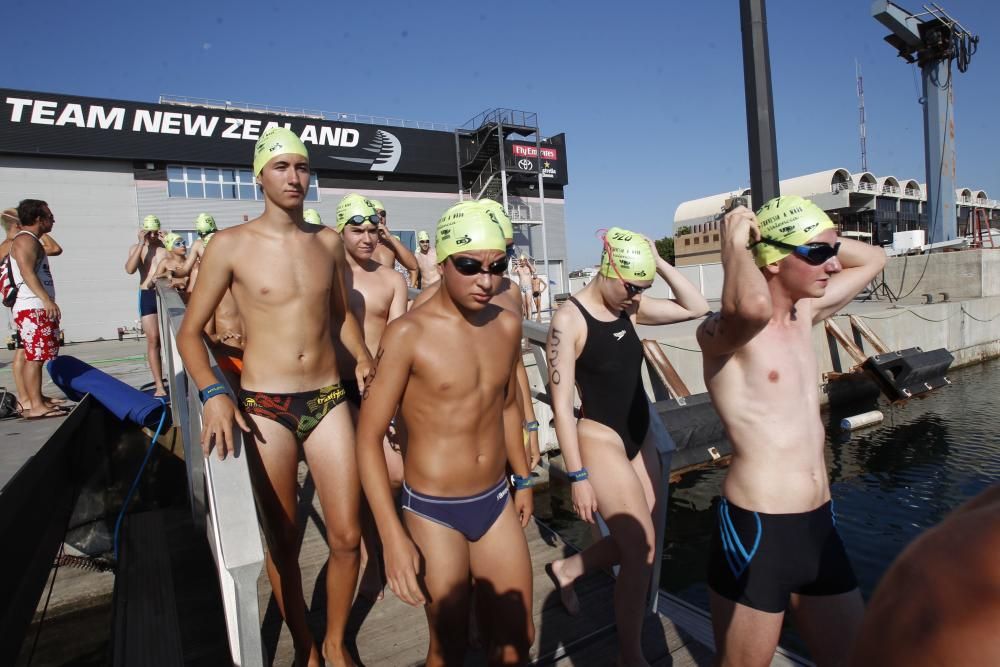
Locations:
171 241
274 142
463 228
353 205
627 255
423 236
312 216
792 220
205 223
151 223
496 211
377 205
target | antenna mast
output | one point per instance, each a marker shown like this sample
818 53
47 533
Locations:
861 117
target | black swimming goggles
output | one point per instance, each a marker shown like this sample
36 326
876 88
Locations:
634 290
471 267
813 253
362 219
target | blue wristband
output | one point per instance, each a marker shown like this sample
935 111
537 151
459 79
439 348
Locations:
531 427
521 482
211 390
577 475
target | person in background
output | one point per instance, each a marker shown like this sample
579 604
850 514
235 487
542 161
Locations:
36 314
11 226
141 257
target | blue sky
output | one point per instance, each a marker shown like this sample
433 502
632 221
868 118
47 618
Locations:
649 94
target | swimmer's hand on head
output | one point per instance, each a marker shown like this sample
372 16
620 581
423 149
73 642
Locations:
218 416
739 226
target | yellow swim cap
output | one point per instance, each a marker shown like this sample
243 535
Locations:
352 205
495 210
463 228
171 240
205 239
792 220
312 216
274 142
376 204
423 236
205 223
151 223
631 257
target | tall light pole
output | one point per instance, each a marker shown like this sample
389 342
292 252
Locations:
933 39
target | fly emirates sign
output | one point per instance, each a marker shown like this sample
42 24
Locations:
148 121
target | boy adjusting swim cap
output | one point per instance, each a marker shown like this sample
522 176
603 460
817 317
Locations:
792 220
463 228
350 206
311 216
274 142
495 210
630 254
205 223
423 236
151 223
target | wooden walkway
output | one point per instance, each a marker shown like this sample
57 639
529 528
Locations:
393 633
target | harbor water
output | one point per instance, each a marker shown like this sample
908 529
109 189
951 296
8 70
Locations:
889 483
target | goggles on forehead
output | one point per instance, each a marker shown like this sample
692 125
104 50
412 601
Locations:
813 253
468 266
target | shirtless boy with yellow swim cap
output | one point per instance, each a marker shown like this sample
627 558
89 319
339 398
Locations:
449 365
508 297
377 295
291 390
776 543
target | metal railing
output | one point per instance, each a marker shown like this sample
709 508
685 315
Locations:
250 107
890 189
840 186
910 192
501 116
220 492
865 186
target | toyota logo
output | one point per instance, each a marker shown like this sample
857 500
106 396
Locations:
526 164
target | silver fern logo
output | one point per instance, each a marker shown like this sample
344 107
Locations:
385 149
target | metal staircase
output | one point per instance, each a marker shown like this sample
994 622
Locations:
488 170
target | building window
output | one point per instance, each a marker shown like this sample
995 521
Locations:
221 183
704 239
696 240
715 237
687 241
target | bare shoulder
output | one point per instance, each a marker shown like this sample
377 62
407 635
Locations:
567 317
403 332
509 321
390 276
509 296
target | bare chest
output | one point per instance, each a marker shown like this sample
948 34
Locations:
284 277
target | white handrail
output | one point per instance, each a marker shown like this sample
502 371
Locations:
220 492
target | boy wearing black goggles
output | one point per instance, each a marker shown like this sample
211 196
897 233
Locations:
814 253
468 266
761 372
373 219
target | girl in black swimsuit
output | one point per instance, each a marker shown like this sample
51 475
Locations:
611 459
